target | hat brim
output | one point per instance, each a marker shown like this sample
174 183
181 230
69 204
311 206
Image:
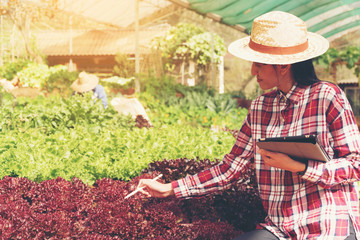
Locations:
91 82
318 45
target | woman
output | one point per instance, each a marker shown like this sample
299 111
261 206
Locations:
311 200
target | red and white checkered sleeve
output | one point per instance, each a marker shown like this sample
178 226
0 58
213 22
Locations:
222 175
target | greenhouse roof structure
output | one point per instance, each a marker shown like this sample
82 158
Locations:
330 18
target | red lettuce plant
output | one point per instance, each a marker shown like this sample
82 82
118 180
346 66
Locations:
60 209
240 205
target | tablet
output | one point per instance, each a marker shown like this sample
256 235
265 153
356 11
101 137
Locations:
300 148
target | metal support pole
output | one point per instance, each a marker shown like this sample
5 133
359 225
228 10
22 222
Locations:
2 41
137 50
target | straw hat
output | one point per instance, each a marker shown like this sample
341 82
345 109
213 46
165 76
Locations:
85 82
279 38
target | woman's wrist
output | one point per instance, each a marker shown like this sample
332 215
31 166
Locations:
169 190
303 168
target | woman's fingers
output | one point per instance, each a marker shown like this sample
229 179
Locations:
155 188
280 160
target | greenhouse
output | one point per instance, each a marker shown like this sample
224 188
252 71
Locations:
98 95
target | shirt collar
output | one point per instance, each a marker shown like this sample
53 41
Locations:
294 94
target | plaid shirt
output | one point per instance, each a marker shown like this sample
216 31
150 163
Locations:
316 205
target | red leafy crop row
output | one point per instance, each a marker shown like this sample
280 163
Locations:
60 209
240 205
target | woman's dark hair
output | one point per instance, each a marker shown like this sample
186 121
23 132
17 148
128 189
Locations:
304 73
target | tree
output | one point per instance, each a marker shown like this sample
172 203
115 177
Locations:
189 42
22 14
193 49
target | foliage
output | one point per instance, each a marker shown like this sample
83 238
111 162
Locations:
242 196
43 138
10 69
238 94
215 102
197 108
51 148
48 78
51 114
221 103
116 82
179 168
240 205
175 38
189 42
61 79
59 209
162 88
124 67
350 56
34 75
197 117
199 48
90 154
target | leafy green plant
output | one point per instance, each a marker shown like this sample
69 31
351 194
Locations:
61 79
163 88
199 48
124 67
44 138
10 69
116 82
34 75
209 99
40 75
55 113
187 41
201 109
175 38
114 153
221 103
238 94
350 56
197 99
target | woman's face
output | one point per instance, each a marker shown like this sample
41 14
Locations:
266 75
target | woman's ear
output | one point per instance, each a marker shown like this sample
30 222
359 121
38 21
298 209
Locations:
284 68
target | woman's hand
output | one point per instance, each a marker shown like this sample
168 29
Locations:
280 160
155 188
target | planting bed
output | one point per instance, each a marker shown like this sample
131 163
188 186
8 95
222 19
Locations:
60 209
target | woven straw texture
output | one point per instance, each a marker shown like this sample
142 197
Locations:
85 82
275 31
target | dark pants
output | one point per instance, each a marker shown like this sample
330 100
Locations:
267 235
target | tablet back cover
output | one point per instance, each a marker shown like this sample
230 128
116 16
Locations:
299 147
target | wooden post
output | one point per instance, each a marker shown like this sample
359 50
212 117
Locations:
70 68
221 75
212 60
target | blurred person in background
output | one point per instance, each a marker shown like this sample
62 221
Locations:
89 82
